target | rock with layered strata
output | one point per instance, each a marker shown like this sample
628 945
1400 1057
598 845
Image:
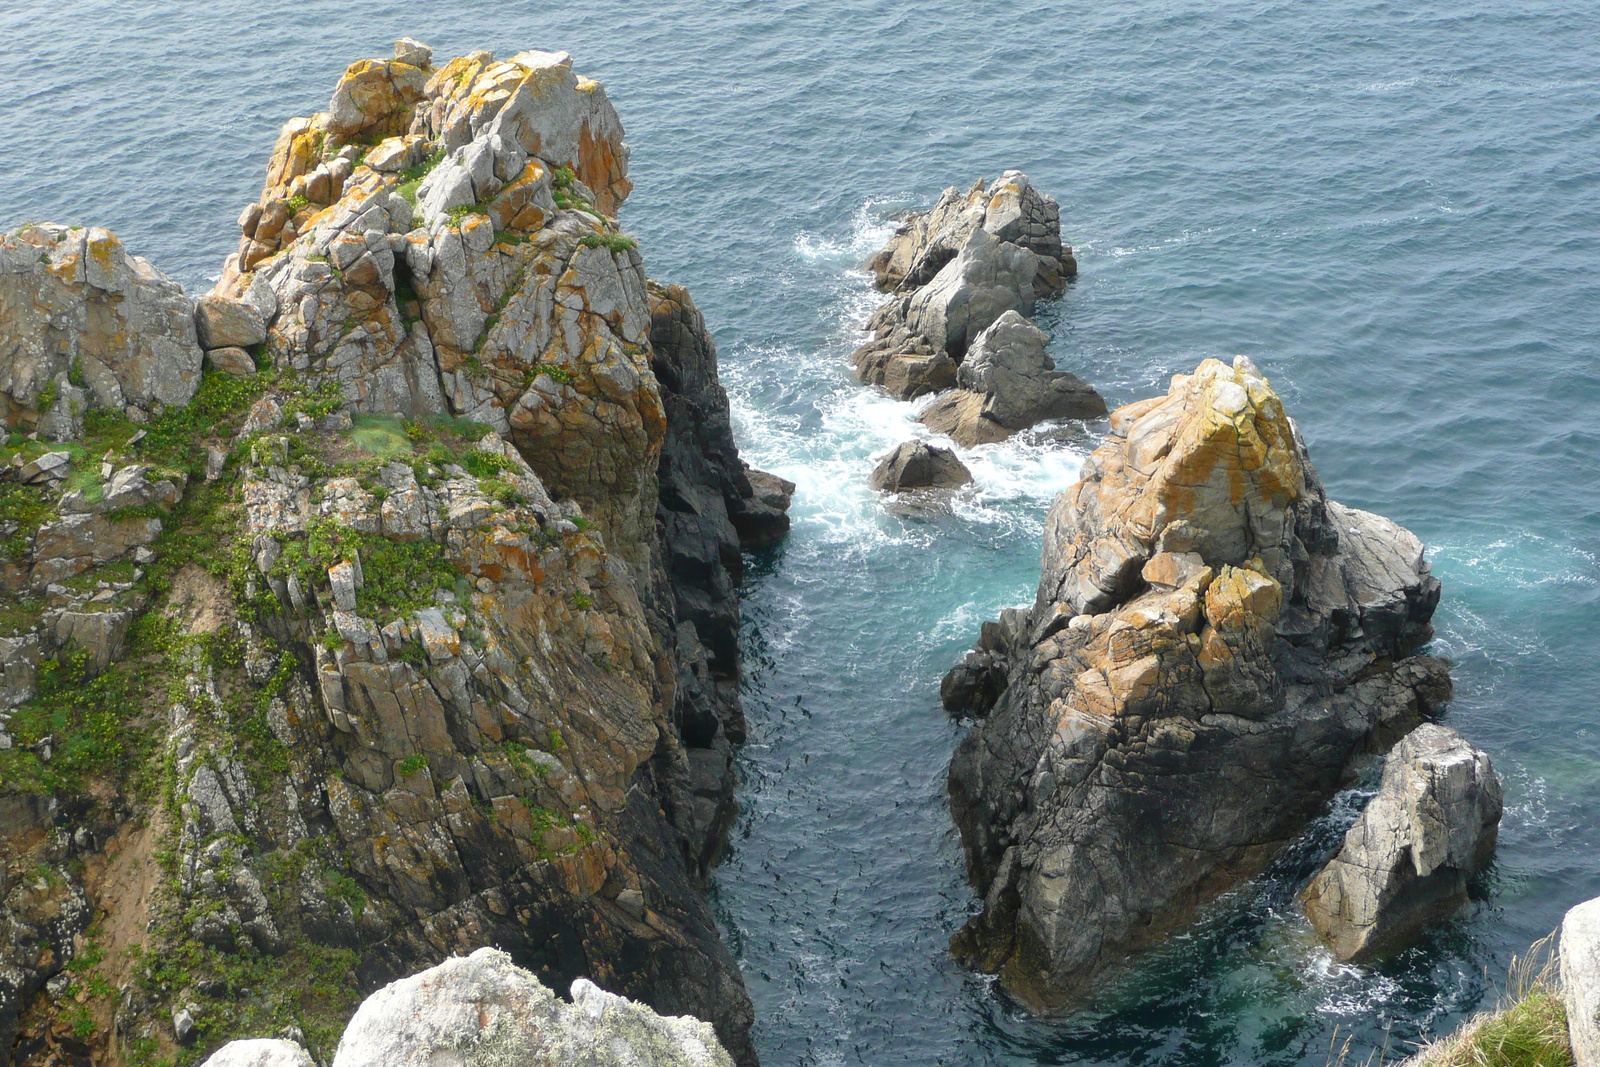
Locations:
918 465
1211 644
85 324
1407 860
483 1011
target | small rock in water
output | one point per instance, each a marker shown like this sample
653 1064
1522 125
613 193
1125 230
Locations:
1407 860
918 465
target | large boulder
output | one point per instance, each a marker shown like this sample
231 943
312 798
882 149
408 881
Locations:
260 1052
85 324
1407 860
1006 383
918 465
483 1011
1580 980
1211 644
952 272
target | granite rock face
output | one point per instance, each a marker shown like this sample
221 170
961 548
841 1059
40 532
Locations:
1212 641
260 1052
483 1011
1580 979
952 272
472 556
1407 860
1006 383
85 324
917 465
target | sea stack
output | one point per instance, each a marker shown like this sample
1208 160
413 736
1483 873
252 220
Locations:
407 626
1212 641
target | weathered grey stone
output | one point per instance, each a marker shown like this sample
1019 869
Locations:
1019 381
987 278
260 1052
223 323
1407 860
414 52
1211 645
1580 979
918 465
74 302
483 1011
50 467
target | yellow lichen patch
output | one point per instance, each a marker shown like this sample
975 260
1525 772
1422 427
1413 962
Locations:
1243 598
103 250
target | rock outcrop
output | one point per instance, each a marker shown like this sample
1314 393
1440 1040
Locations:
918 465
260 1052
1006 383
1211 643
952 272
85 324
1407 860
1580 980
421 637
483 1011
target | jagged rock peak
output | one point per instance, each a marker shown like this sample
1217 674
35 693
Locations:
1407 860
1211 644
1009 208
83 324
483 1011
919 465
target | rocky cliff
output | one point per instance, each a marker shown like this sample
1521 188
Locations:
405 628
1212 641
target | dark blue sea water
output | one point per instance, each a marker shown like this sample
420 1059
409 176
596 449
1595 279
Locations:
1394 209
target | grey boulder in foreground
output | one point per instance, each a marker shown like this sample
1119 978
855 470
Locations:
1407 860
260 1052
1580 976
484 1011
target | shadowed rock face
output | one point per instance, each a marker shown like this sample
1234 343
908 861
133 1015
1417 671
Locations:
1407 860
1212 640
482 685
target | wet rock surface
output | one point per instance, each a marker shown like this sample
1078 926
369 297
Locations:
918 465
1211 643
1407 860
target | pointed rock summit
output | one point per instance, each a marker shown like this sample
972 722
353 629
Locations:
1211 643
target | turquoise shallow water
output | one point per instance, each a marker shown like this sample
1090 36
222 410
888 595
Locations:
1393 210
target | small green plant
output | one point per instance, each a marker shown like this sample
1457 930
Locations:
47 396
296 204
481 464
461 211
556 373
582 601
413 763
76 376
342 887
611 242
510 237
556 742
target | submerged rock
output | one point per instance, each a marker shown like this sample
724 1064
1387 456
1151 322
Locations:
1211 643
1407 860
919 465
85 324
483 1011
